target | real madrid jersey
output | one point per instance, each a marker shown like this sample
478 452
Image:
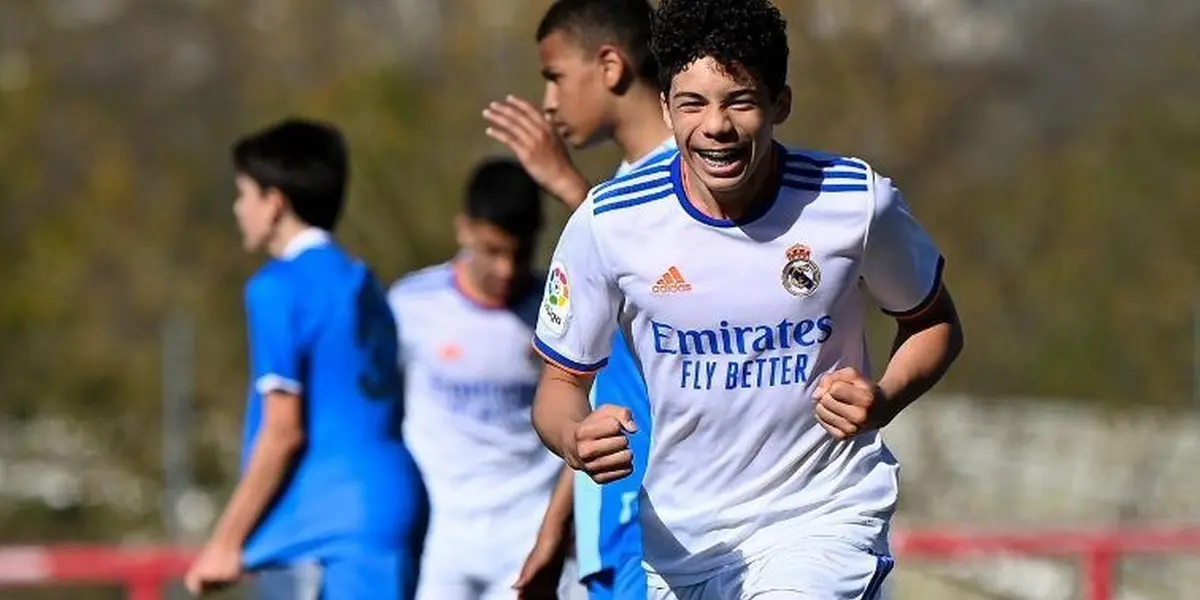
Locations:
733 323
469 380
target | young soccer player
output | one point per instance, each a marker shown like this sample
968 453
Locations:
601 83
329 504
469 376
741 270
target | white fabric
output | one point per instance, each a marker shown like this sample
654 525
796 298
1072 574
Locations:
308 238
659 154
815 570
477 557
469 379
733 325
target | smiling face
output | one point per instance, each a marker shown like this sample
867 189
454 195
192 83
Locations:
724 121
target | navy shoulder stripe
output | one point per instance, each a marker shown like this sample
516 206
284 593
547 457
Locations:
660 157
810 186
823 160
646 180
813 171
631 201
804 170
655 171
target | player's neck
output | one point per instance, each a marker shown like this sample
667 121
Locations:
640 127
736 205
285 232
469 287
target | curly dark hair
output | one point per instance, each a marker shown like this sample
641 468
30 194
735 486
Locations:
750 34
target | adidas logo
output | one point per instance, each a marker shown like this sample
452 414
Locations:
671 282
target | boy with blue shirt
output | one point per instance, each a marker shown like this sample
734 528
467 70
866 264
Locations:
330 505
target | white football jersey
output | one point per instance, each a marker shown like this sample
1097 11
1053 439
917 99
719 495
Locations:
733 323
469 380
659 154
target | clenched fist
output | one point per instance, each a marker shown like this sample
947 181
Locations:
599 446
848 403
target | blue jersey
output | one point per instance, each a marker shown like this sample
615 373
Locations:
320 328
606 516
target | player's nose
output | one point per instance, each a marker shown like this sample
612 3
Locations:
550 100
716 123
505 269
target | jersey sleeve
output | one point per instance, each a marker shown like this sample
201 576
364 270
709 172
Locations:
578 313
902 267
275 356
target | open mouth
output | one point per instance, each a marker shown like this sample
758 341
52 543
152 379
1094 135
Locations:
725 159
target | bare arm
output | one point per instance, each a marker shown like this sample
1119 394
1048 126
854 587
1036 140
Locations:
567 184
561 511
560 405
572 190
280 439
925 346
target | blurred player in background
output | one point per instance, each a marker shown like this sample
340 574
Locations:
601 84
330 504
741 271
469 377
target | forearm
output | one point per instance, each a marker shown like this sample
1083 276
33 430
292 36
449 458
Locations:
561 511
265 473
571 187
560 404
920 358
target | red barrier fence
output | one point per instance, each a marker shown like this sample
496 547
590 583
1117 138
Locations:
1097 552
144 572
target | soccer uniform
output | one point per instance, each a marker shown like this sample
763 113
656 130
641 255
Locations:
733 323
350 520
469 379
608 537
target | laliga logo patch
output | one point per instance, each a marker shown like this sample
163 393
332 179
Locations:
801 276
556 305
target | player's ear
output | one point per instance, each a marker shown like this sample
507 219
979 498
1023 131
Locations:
615 72
278 202
783 105
666 110
462 230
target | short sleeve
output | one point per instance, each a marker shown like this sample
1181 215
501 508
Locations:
578 313
902 267
275 356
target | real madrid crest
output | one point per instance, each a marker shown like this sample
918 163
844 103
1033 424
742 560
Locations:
801 275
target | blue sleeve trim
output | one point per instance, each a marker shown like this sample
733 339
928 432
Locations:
555 357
